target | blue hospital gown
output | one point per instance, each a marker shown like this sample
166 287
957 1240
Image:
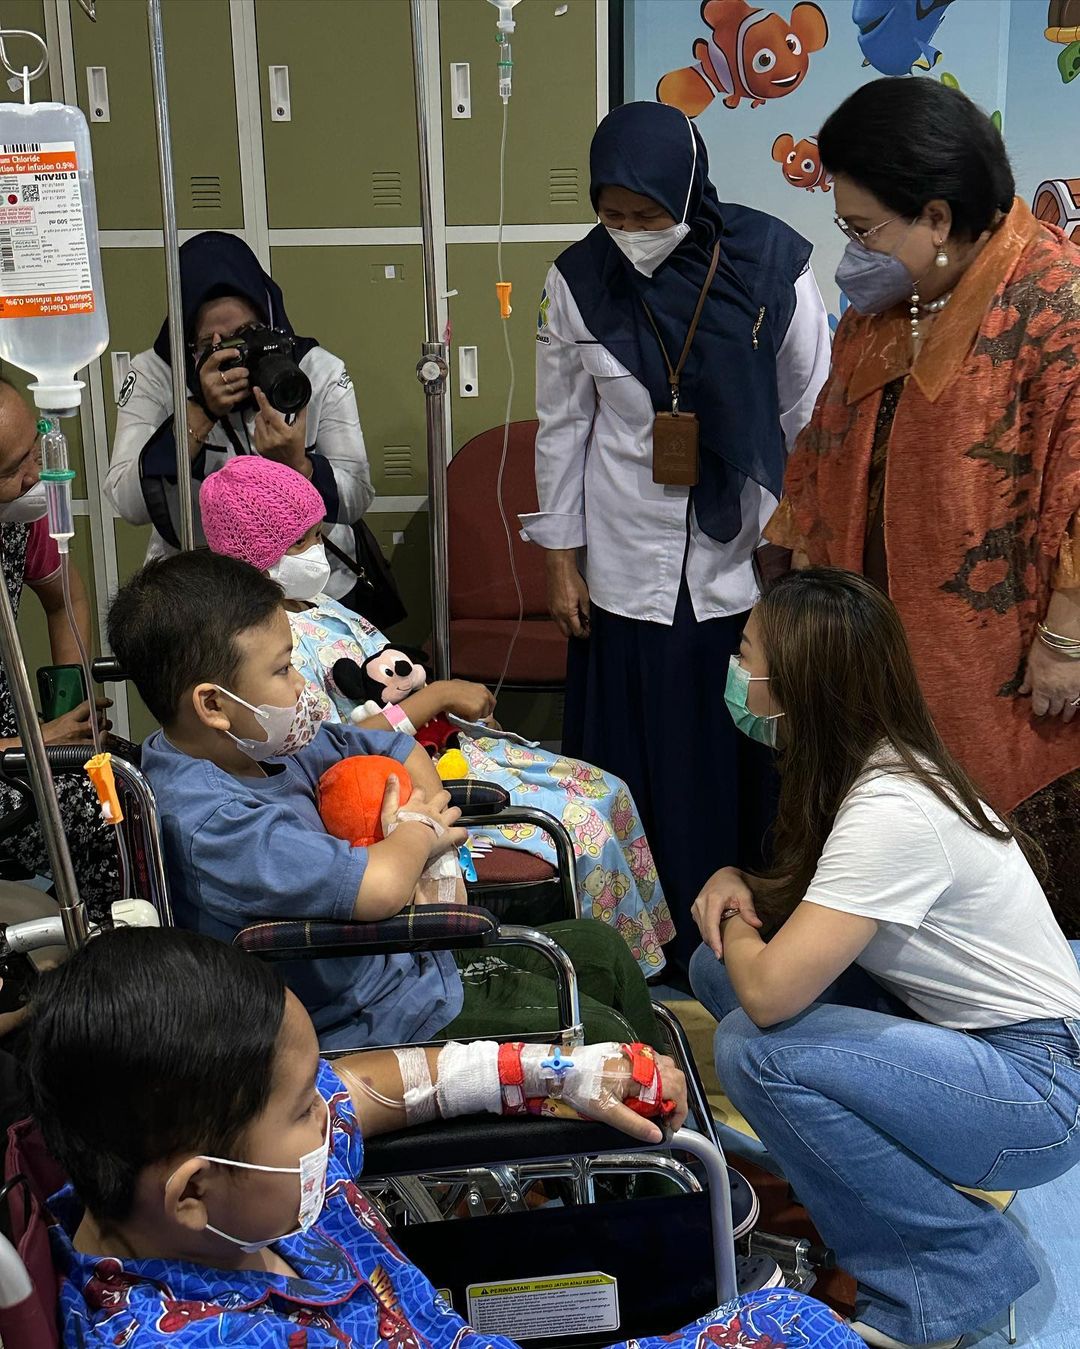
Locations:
355 1289
616 872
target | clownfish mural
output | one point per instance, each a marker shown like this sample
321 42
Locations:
800 163
750 53
895 35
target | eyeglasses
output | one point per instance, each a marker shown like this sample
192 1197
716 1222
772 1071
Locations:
861 236
202 345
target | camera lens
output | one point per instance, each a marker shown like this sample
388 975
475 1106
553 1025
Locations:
285 385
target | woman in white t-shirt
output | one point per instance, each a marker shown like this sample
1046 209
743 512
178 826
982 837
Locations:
914 1023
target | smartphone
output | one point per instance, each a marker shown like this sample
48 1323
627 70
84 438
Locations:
61 688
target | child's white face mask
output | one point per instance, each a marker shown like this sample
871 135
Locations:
302 576
312 1173
288 729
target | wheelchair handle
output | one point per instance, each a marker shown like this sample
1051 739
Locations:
107 670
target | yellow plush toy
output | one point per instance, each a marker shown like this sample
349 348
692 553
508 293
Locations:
453 766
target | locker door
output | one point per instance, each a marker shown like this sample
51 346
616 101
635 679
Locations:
365 304
551 119
347 156
475 313
135 294
202 101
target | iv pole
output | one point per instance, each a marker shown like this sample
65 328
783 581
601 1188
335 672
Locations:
186 531
431 372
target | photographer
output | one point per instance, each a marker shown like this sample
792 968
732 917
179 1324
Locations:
251 391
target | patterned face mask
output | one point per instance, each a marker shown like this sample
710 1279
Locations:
288 729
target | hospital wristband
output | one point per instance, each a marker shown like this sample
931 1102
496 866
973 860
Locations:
398 718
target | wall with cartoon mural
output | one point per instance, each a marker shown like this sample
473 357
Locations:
760 79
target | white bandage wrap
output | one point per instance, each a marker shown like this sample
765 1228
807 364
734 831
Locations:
468 1081
417 1088
445 871
415 817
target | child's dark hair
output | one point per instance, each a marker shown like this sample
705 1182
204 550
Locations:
146 1043
175 624
912 141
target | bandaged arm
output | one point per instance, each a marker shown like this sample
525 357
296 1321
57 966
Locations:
620 1085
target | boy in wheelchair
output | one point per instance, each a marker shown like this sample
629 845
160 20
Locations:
235 772
214 1157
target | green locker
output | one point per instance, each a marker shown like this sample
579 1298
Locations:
28 15
475 312
202 101
135 294
403 538
366 305
552 113
346 157
131 541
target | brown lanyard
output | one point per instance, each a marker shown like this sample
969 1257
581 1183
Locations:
674 372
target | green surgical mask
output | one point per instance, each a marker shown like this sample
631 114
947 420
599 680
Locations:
761 729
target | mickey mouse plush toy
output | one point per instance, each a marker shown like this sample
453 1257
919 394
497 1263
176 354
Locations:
385 680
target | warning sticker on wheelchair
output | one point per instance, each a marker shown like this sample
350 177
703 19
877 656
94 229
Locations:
530 1308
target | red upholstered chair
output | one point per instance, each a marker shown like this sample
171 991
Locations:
483 602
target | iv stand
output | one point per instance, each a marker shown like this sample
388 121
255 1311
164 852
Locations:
431 372
186 530
72 912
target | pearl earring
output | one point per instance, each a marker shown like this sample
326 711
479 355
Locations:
942 258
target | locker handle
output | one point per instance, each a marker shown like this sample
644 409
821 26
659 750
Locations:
460 90
280 100
97 89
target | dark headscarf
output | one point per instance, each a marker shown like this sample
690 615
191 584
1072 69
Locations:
729 383
213 265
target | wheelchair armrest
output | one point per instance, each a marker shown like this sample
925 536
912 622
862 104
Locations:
477 800
488 1140
107 670
62 759
428 927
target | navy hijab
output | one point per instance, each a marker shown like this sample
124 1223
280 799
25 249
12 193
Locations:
213 265
727 381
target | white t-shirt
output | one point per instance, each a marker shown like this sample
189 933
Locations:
965 935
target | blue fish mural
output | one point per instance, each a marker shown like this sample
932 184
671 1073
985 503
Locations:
895 35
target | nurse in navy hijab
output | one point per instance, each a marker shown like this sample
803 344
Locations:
650 520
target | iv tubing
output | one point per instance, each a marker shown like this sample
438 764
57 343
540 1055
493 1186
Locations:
186 531
506 420
72 912
84 658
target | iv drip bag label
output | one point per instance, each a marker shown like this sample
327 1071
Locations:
44 259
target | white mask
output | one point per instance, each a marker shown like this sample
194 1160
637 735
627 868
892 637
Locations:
647 249
288 729
312 1173
26 509
304 575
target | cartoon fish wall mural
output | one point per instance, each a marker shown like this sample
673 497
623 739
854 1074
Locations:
895 35
750 53
800 163
1063 26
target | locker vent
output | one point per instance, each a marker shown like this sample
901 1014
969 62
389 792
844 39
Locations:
563 187
205 192
397 461
386 188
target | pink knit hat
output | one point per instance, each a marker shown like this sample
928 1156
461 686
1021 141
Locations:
255 509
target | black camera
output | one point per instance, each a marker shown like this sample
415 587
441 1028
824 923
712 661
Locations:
268 355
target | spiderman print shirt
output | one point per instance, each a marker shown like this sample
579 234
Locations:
354 1289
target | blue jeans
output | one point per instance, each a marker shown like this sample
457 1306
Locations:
874 1116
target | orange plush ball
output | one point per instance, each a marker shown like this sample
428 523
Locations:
351 796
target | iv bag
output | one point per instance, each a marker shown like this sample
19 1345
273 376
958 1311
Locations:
52 301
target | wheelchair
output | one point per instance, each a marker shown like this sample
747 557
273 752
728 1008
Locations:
485 1170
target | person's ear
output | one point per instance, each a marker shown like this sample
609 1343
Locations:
186 1188
938 214
209 705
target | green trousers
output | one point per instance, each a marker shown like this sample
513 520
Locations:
513 991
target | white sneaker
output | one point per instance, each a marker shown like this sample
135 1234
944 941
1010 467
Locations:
880 1340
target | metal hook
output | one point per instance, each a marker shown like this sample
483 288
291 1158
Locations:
17 71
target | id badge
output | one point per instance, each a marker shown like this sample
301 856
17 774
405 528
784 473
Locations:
675 449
